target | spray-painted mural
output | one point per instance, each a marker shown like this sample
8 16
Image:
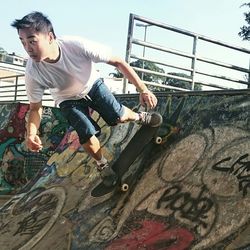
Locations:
18 165
193 194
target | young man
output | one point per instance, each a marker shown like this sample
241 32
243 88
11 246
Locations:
66 66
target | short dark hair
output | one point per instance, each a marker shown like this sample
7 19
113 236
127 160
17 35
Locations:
35 20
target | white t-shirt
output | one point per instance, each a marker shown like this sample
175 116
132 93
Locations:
72 76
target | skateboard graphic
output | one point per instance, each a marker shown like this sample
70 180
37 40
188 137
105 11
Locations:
137 144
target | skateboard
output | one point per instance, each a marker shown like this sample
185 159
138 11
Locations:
137 144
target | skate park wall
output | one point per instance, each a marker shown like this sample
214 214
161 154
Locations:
194 192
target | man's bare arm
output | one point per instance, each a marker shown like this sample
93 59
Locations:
35 115
146 96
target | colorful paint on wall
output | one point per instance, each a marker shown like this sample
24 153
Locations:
193 194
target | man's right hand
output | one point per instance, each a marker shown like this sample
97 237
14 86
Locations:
33 143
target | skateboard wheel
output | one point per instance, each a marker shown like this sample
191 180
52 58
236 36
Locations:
124 187
158 140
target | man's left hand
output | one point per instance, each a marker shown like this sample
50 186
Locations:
147 98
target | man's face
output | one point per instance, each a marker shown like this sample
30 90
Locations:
36 44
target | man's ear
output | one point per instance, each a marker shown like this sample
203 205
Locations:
51 37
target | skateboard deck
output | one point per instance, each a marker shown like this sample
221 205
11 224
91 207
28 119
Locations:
139 141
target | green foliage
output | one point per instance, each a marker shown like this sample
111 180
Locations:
245 29
159 79
181 83
145 76
149 66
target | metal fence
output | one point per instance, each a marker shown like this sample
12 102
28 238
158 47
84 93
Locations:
12 89
194 59
186 60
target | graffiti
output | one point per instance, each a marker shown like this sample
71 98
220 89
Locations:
239 168
35 213
5 113
36 220
154 235
18 165
194 209
103 231
192 194
188 204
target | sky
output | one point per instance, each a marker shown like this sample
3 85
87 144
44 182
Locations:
107 21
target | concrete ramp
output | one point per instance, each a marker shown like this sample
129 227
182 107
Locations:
193 194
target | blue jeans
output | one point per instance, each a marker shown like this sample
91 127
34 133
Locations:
99 99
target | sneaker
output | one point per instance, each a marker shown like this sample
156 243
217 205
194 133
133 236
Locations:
107 174
150 119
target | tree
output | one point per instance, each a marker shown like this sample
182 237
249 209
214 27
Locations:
145 76
159 79
245 29
181 83
149 66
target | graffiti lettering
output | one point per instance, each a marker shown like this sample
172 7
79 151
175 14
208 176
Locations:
193 209
240 169
31 224
37 219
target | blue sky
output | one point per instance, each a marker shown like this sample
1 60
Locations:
107 21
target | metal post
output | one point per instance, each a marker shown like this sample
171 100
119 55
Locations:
145 26
144 48
128 49
193 65
15 94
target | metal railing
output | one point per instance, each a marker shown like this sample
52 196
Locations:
207 72
12 89
198 69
